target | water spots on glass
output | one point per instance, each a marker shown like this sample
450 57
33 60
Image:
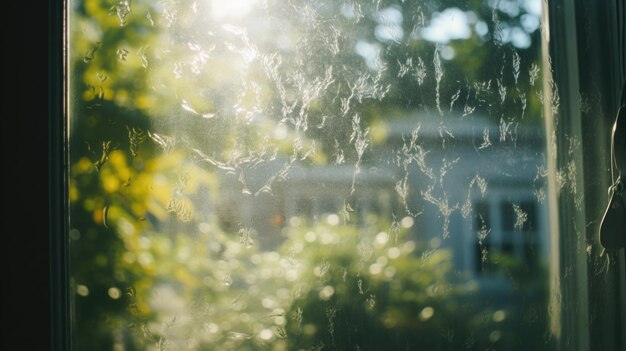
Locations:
486 142
91 53
359 137
143 56
331 313
122 54
297 317
481 184
100 94
404 68
484 253
454 98
533 73
523 101
304 176
521 217
467 110
555 101
482 91
179 204
498 32
101 77
507 129
438 76
516 60
539 180
136 136
420 71
238 335
321 269
167 143
121 9
150 18
181 207
105 216
106 151
246 237
501 90
187 107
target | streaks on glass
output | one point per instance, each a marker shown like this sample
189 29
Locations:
338 154
307 173
521 217
149 18
105 216
533 73
516 65
122 54
136 136
479 182
106 151
187 107
179 204
482 234
454 98
486 142
501 88
164 141
497 26
507 129
467 110
90 54
555 101
331 312
405 68
238 335
143 56
438 76
523 101
102 77
539 180
121 9
420 71
246 237
297 317
360 140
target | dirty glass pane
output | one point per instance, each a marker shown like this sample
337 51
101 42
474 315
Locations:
308 175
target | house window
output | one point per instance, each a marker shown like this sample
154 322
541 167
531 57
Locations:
514 237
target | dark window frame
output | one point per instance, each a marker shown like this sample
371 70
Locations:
587 63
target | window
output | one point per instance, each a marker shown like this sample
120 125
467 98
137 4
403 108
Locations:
329 175
514 234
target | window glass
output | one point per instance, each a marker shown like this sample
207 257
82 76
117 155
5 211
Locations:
297 175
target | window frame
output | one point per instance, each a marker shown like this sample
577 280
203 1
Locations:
588 309
58 176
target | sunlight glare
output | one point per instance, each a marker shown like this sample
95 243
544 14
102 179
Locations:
231 9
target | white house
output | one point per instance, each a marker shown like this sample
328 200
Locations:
469 183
